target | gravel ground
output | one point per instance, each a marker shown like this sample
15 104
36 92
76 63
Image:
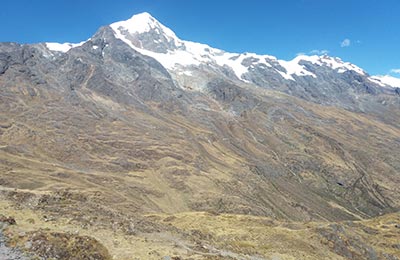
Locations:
7 253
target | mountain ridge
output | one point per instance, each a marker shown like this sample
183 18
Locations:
144 23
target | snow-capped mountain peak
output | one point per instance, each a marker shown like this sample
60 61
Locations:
148 36
145 32
141 23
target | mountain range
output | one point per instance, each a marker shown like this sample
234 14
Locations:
162 148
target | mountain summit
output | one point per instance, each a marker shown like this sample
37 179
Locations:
145 32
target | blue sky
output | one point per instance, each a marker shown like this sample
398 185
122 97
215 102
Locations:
366 33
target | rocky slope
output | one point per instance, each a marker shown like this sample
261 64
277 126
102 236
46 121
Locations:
135 121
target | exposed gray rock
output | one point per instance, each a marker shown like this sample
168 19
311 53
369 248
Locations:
10 253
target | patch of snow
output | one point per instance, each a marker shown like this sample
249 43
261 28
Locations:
186 72
376 80
62 47
234 61
95 47
386 80
293 67
337 63
332 62
285 75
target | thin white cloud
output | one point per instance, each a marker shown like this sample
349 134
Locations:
397 71
345 43
319 52
313 52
